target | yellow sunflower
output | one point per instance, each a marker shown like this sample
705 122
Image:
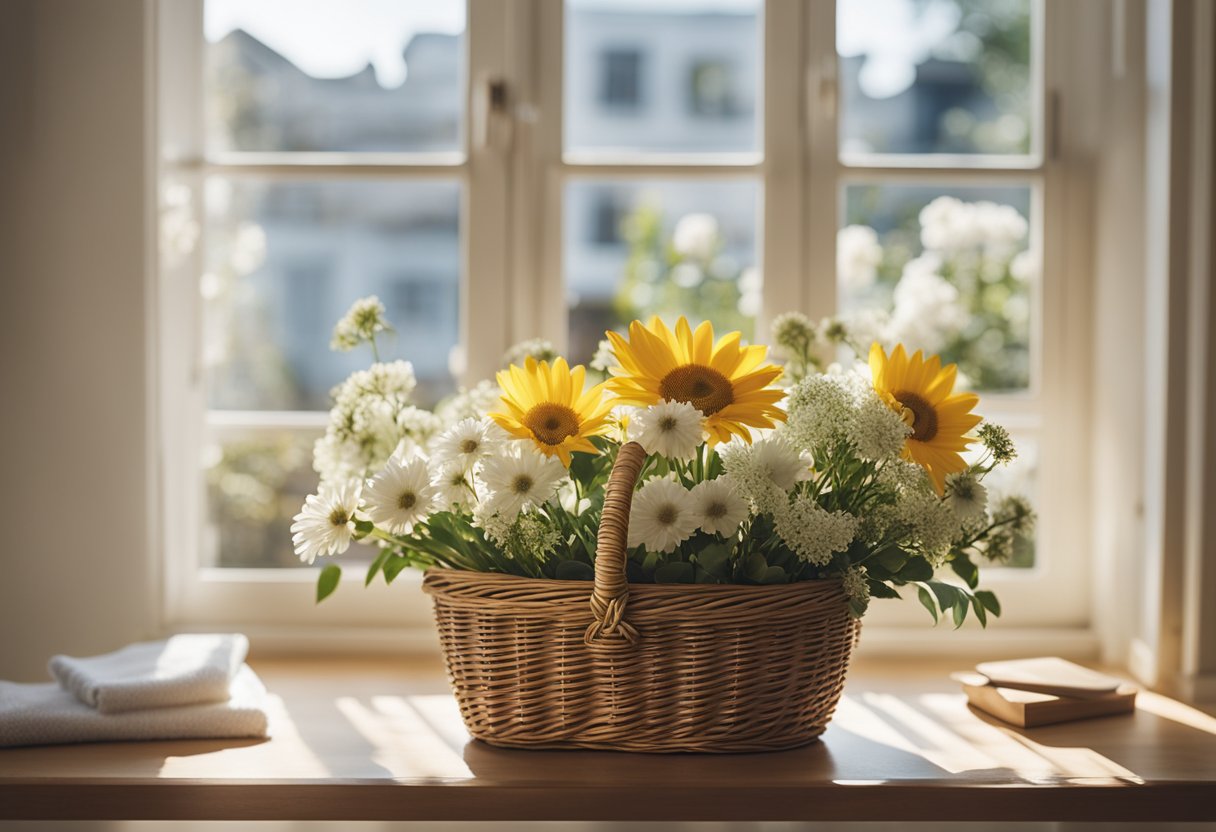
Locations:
725 381
922 393
548 405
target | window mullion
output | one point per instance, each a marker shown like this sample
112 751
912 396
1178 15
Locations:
485 278
821 178
782 255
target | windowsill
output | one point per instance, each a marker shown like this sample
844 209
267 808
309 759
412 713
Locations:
379 739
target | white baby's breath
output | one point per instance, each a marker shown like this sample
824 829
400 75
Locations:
812 532
765 470
661 517
670 429
966 496
718 507
933 523
519 478
361 322
326 522
400 495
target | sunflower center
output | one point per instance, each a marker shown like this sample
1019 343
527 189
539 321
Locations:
715 510
551 423
702 387
522 484
468 446
407 500
667 514
919 415
338 517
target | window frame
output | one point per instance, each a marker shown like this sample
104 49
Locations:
515 162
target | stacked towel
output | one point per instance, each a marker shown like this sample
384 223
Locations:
186 687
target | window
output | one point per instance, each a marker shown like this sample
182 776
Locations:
621 86
667 159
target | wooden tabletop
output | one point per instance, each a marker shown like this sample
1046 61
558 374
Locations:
381 739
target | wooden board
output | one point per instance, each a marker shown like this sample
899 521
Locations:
382 740
1050 675
1028 709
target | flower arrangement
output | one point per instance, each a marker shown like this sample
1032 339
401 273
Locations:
856 474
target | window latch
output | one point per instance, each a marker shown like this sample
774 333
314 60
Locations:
491 114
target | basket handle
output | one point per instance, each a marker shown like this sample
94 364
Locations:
611 592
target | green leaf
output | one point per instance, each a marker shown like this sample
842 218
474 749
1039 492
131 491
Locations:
715 559
677 572
775 575
755 567
916 569
394 566
891 559
947 595
989 601
574 570
980 612
327 581
377 565
880 590
926 600
960 611
965 569
363 528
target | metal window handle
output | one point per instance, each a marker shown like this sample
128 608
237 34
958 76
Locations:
491 113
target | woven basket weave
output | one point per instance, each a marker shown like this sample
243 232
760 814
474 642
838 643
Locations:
541 663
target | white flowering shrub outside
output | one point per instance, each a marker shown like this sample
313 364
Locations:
851 475
945 275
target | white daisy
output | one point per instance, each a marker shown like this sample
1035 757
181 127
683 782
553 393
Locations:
966 496
670 429
325 523
400 495
718 507
465 443
519 479
662 516
455 486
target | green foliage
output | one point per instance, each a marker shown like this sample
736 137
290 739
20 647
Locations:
327 581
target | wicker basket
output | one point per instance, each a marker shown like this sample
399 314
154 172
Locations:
643 667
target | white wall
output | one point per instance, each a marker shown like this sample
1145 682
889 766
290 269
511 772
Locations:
75 571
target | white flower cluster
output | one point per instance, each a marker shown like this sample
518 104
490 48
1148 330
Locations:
853 581
927 310
812 532
537 349
474 402
473 467
523 537
932 521
858 256
371 419
949 224
765 471
827 409
361 322
665 514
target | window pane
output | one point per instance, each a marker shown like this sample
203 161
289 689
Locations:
946 270
662 75
934 76
333 75
255 486
285 260
676 247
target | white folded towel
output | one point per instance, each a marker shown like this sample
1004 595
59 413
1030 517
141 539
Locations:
182 670
43 714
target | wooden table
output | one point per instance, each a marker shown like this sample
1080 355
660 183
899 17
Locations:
381 739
